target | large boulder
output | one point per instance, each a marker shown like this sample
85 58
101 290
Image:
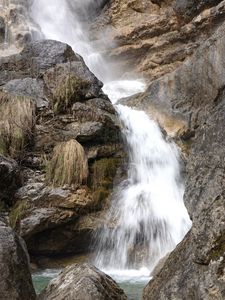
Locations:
82 282
15 277
196 268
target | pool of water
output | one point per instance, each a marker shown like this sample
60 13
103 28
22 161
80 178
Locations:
132 285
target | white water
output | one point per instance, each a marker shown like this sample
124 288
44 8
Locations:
148 213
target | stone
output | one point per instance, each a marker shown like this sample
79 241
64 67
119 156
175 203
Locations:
28 87
82 282
15 277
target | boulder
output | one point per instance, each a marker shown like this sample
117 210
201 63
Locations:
82 282
15 277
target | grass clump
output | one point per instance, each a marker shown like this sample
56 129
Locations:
17 119
67 93
68 164
17 213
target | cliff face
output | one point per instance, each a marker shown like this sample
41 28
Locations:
153 38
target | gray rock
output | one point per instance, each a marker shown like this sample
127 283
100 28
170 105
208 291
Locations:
15 277
10 179
190 8
82 282
196 268
29 87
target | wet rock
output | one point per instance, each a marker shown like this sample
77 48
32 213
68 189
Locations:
15 278
10 179
84 282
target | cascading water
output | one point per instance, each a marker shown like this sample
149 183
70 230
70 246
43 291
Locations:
148 214
148 211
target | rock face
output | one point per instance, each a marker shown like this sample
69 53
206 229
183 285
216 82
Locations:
196 268
15 278
82 282
154 37
65 129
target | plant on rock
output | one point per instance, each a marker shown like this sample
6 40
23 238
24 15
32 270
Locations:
68 164
67 93
17 119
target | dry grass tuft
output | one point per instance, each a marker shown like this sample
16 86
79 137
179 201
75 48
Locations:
67 93
17 120
68 165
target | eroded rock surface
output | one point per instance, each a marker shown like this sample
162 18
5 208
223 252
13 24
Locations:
153 38
82 282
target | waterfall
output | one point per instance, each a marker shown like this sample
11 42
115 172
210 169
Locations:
147 216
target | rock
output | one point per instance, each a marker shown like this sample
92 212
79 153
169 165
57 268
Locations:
15 278
153 38
196 268
28 87
82 282
10 179
70 73
189 8
59 207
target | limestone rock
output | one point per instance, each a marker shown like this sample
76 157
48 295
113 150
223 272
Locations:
15 277
82 282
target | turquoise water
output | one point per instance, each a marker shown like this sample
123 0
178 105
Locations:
132 288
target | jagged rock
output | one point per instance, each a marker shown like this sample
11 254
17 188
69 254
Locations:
15 277
10 179
82 282
196 268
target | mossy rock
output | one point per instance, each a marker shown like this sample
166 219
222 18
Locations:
17 213
67 93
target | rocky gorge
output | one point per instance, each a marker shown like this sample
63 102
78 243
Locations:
61 149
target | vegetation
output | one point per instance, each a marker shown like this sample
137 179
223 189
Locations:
17 119
67 93
68 164
103 173
17 213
